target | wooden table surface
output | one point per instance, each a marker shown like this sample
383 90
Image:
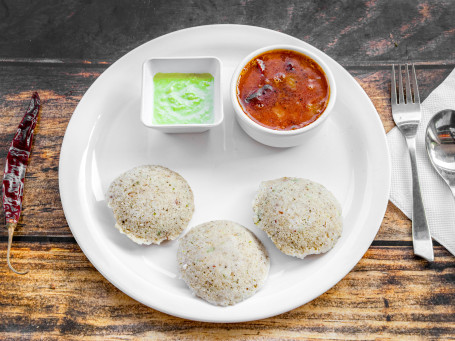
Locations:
60 48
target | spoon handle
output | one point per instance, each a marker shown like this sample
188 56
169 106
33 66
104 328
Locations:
421 237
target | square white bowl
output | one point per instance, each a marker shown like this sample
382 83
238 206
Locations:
153 66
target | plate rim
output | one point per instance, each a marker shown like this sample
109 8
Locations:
132 294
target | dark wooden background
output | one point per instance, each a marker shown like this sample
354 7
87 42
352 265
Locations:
60 47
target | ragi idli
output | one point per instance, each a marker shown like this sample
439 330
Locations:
151 204
222 262
300 216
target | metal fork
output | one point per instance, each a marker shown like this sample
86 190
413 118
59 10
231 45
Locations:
406 115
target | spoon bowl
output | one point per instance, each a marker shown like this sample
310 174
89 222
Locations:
440 144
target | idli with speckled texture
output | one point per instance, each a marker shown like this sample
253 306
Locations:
300 216
151 204
222 262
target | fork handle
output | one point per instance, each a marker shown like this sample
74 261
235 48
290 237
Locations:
421 237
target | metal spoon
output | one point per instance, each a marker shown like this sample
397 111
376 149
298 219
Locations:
440 143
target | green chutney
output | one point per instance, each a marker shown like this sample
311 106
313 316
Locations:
183 98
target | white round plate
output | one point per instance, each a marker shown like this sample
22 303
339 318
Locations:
224 168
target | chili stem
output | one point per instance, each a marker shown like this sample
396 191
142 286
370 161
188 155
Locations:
11 227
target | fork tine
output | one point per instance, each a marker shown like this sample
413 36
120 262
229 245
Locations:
414 85
408 87
393 88
400 85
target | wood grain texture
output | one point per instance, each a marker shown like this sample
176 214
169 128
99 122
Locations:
386 292
64 87
390 291
60 89
353 32
60 48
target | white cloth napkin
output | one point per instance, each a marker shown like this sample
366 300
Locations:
437 197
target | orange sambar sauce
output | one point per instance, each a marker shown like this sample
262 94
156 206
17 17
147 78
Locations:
283 90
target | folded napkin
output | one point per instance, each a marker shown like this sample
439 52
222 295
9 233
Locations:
437 197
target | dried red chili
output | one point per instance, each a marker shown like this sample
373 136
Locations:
15 167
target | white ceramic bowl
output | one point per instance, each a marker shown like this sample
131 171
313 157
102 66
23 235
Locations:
281 138
152 66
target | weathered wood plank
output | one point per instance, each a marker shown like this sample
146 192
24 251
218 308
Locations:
389 294
369 31
60 90
65 86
